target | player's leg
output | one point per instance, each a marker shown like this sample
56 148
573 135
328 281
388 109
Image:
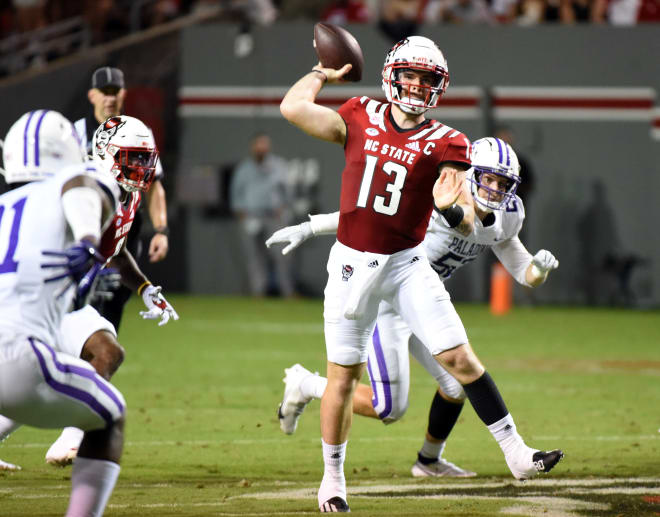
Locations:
346 348
44 388
435 322
447 404
86 334
256 260
388 367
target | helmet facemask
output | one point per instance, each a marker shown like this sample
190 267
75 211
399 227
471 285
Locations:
399 87
490 198
134 167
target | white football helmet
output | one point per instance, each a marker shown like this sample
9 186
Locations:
492 156
124 146
420 54
38 145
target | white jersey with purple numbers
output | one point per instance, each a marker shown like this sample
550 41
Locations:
448 250
39 385
32 221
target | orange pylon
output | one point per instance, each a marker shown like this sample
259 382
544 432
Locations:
501 290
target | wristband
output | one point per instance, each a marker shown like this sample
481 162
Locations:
325 77
163 230
452 215
141 288
324 224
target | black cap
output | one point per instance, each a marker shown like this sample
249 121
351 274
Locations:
107 76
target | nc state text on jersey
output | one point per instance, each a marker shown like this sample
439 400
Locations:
392 151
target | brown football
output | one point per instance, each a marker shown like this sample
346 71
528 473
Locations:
336 47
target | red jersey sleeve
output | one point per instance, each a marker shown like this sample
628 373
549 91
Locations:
457 150
348 110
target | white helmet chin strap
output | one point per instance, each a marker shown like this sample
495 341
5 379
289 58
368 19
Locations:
483 205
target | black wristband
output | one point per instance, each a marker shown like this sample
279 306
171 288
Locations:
163 230
325 77
453 215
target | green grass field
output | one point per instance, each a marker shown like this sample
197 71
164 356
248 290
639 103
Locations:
202 436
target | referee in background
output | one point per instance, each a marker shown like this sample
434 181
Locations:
106 97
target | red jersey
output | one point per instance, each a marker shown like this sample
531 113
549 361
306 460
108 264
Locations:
387 184
114 236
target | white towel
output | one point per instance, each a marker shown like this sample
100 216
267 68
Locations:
367 274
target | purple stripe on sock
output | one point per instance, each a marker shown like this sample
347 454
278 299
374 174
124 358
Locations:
25 133
36 138
382 370
77 393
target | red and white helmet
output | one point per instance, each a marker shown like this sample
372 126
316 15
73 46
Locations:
38 145
420 54
124 146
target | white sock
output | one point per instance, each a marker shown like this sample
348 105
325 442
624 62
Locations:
334 482
504 431
7 426
72 435
92 482
432 450
313 386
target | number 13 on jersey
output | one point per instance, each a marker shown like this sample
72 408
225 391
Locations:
382 204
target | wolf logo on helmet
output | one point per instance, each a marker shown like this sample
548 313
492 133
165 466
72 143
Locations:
125 147
105 132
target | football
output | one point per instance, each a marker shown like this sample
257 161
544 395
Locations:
336 47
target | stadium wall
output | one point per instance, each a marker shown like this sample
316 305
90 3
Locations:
580 100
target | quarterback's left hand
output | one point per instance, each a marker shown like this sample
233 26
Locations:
158 306
544 261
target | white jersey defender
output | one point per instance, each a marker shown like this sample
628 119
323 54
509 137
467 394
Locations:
40 386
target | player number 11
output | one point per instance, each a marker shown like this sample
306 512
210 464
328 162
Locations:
9 265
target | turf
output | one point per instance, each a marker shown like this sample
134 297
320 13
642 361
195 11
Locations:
202 436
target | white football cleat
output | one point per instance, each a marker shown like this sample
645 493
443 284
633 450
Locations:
8 466
293 403
440 468
65 448
526 463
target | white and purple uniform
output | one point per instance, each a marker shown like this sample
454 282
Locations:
447 250
39 385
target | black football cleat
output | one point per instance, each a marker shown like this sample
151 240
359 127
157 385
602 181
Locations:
545 461
334 505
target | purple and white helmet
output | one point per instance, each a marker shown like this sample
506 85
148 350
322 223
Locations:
38 145
494 157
